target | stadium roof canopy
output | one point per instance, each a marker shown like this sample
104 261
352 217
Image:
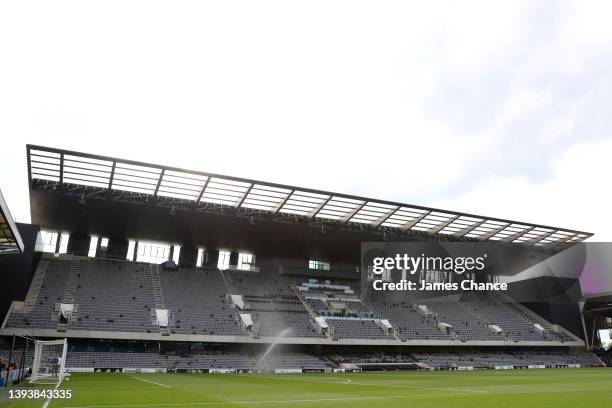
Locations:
97 176
10 240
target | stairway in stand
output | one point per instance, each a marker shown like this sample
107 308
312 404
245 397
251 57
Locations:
158 296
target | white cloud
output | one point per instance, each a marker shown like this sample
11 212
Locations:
424 103
575 195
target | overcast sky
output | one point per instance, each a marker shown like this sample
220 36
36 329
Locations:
496 108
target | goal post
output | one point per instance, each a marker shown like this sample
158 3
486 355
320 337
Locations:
49 361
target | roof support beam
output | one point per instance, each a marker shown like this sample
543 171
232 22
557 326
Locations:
443 225
203 190
318 208
562 241
280 205
464 231
537 239
161 176
406 226
376 223
61 178
517 235
492 233
29 167
352 213
110 180
246 193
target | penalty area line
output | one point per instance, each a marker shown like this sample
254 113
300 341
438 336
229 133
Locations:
152 382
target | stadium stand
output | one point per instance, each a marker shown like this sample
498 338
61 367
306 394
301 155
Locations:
46 290
199 309
198 303
124 357
114 296
118 296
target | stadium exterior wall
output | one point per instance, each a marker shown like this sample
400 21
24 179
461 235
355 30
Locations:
17 271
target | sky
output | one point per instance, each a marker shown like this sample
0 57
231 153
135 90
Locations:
495 108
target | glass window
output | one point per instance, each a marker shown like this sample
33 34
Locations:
200 257
245 261
130 251
64 238
93 245
48 240
224 260
152 252
176 254
317 264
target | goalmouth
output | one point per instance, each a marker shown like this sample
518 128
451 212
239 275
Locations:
49 361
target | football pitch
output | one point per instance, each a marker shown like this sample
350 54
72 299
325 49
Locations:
512 388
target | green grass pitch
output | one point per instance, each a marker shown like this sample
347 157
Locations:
513 388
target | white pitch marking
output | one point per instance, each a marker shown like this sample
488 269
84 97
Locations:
152 382
270 401
464 390
48 401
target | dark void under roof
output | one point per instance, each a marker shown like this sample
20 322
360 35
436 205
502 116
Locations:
94 176
10 240
597 303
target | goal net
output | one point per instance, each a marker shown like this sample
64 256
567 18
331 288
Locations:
49 361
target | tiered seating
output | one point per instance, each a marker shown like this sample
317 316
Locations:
293 360
196 299
212 359
272 304
240 360
551 358
119 296
17 353
272 323
469 314
405 318
260 284
494 312
491 359
465 326
447 360
51 292
323 295
357 328
372 358
110 359
117 357
550 334
319 306
114 296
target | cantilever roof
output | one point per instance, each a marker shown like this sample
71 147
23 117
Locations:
10 240
63 168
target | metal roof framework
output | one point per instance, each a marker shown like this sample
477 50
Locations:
83 173
10 240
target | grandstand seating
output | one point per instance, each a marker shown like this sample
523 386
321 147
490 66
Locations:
191 361
197 301
110 359
114 296
357 328
120 296
122 357
51 292
272 303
